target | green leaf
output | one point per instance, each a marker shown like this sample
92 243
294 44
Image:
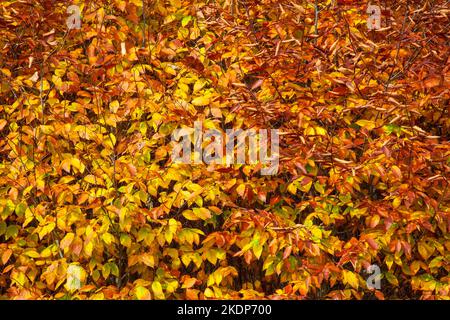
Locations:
106 270
2 227
319 188
20 209
257 250
125 240
392 128
12 231
186 20
391 278
114 269
436 262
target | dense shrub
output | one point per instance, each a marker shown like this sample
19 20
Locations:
87 182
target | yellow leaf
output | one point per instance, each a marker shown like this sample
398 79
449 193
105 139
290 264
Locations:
198 85
170 70
76 163
200 101
292 188
306 187
389 261
217 277
18 277
47 129
113 139
367 124
6 72
186 259
108 238
257 250
148 259
241 190
211 256
47 252
44 85
415 266
66 179
40 184
396 203
320 131
173 225
317 233
143 293
114 106
350 278
157 290
209 293
90 178
310 131
425 250
88 248
189 214
202 213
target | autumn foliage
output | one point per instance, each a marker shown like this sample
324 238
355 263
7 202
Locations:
86 177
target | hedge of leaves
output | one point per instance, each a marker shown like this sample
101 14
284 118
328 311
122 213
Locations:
86 177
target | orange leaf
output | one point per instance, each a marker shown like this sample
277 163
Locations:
6 255
191 294
372 243
188 283
287 252
67 241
